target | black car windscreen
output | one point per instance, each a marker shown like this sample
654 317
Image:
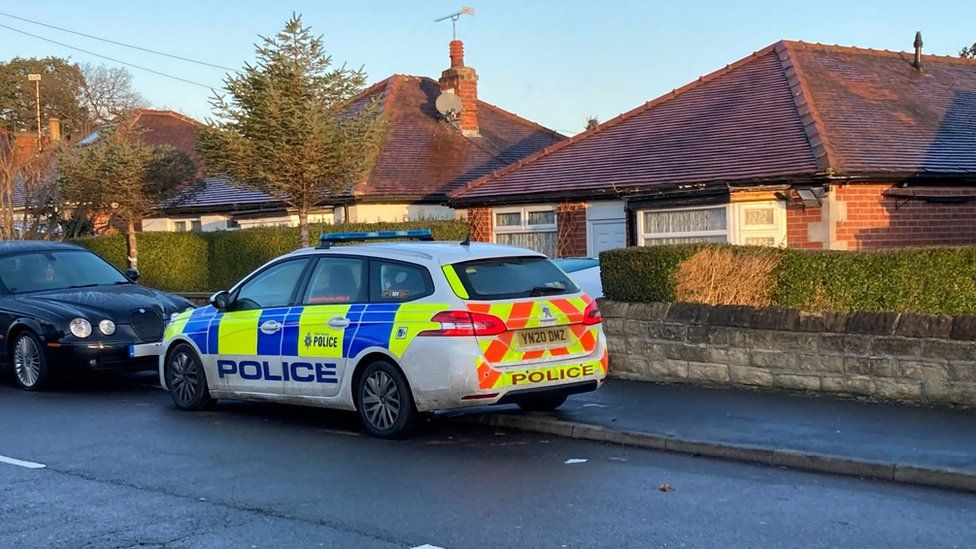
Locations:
56 270
513 277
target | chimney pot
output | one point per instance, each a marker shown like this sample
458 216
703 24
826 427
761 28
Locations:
918 51
457 53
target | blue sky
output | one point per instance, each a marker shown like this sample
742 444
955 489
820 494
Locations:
555 62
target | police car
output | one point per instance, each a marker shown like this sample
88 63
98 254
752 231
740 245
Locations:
391 330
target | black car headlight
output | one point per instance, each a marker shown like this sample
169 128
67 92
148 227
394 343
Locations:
80 328
107 327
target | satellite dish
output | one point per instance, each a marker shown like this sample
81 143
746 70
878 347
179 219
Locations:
449 105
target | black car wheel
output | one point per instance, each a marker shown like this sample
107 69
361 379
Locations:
186 380
542 404
385 402
30 364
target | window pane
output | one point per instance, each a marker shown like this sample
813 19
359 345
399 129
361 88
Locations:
759 216
542 218
56 270
722 239
685 221
398 282
197 226
180 226
513 219
760 241
336 280
542 242
272 287
512 277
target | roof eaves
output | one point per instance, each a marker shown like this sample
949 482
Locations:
813 125
612 122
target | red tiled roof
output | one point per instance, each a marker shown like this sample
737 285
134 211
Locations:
789 110
424 156
163 127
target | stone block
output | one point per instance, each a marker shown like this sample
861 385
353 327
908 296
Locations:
614 326
773 318
695 334
821 322
666 331
964 327
964 372
746 375
949 350
731 315
895 346
845 344
616 344
718 335
688 313
831 364
921 371
777 360
796 382
635 327
613 309
870 366
855 385
925 326
668 369
797 341
687 352
654 311
713 373
872 323
897 389
631 364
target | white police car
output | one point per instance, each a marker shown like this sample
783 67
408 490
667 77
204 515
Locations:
391 330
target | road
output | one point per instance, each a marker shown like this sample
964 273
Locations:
124 468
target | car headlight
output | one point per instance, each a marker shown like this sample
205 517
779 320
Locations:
107 327
80 328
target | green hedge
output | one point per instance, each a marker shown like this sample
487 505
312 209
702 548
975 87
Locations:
927 280
190 262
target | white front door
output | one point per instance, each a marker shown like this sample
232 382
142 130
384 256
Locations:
605 234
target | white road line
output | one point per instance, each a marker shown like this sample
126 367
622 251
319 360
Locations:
427 546
21 463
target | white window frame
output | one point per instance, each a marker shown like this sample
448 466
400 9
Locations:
188 221
524 226
741 233
643 237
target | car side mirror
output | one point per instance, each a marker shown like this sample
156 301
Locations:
220 300
132 274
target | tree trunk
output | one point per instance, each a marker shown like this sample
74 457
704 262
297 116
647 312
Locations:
303 228
132 248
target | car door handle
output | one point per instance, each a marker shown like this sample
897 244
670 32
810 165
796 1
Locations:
339 322
270 327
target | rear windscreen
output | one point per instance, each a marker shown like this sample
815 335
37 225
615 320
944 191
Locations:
513 277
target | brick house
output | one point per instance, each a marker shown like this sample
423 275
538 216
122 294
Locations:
802 145
423 157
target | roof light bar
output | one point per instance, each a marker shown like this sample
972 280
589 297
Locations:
328 239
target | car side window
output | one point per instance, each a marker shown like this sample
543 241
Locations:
337 280
272 287
392 282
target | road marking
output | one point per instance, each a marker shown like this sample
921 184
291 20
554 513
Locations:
21 463
427 546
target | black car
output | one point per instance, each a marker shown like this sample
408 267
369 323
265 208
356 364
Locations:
65 311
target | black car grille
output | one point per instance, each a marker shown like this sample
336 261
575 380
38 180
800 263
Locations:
147 324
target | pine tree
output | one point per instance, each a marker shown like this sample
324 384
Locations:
285 125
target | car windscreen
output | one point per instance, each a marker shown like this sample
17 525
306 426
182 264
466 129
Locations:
573 264
56 270
513 277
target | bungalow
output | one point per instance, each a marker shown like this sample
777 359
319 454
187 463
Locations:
427 153
800 145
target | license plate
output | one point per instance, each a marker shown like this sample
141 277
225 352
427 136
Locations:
557 336
145 349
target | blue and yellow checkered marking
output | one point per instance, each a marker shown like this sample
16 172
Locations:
305 330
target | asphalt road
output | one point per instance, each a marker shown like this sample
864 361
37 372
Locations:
125 468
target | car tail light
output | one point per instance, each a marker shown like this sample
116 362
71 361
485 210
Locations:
592 314
464 323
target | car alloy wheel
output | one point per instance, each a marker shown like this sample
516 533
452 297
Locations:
381 400
27 361
184 381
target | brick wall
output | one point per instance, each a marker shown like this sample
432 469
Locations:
872 220
921 359
479 219
571 229
798 228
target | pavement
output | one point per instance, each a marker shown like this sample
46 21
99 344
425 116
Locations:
123 468
934 447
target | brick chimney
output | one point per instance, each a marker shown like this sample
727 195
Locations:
462 81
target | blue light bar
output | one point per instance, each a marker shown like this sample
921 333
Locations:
328 239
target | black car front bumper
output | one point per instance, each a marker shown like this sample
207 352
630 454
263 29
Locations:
88 358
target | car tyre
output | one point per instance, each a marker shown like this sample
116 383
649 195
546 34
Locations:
543 404
384 401
186 380
29 362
